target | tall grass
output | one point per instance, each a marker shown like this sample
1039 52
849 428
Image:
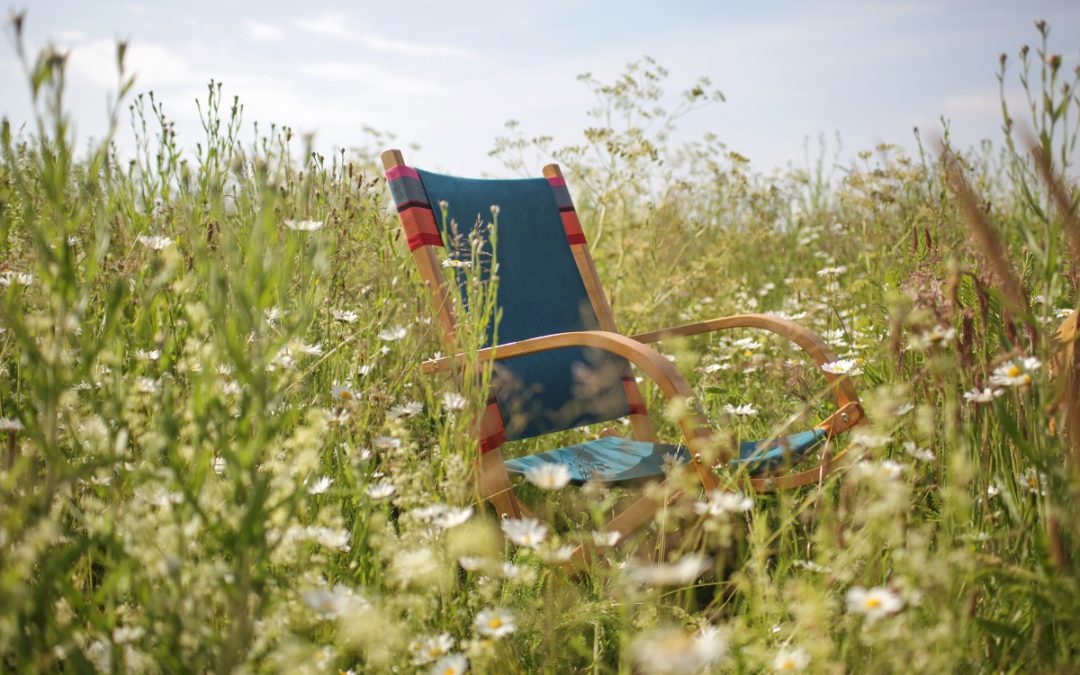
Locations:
221 455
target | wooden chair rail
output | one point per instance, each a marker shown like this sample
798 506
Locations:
806 339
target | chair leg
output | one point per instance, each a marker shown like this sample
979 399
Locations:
635 516
630 520
493 482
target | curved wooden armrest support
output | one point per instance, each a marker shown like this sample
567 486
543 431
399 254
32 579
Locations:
842 390
652 363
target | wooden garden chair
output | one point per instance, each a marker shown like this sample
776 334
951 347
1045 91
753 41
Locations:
561 363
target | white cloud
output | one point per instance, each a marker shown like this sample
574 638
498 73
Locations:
328 24
381 44
153 64
69 36
262 32
370 76
984 104
339 25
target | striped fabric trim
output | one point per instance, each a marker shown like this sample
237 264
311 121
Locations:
492 432
633 396
571 224
414 209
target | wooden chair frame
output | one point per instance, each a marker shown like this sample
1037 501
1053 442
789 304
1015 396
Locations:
493 480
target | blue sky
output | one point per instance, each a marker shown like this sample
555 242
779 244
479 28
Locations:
447 75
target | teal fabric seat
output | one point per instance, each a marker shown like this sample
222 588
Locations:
612 459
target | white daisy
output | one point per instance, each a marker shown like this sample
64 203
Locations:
308 349
333 603
558 555
380 490
528 532
495 623
791 660
472 563
431 648
874 603
393 334
986 395
921 454
304 225
10 424
342 393
832 271
842 367
745 410
154 242
549 476
453 401
509 571
9 277
386 443
1015 373
407 409
1033 481
321 485
451 664
685 571
674 650
718 503
886 470
606 538
345 316
452 517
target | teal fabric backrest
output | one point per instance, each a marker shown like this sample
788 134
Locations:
540 291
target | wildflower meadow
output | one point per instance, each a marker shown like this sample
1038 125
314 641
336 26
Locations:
219 452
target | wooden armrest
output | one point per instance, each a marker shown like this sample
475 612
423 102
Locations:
848 401
652 363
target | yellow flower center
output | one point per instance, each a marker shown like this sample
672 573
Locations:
494 623
873 603
1014 371
450 671
786 664
346 395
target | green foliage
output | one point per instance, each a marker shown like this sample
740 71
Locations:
220 452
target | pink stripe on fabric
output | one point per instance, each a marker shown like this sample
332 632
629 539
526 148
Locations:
396 172
557 180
